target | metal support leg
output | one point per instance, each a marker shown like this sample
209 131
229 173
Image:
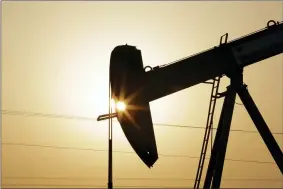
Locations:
261 126
214 152
216 163
215 167
227 119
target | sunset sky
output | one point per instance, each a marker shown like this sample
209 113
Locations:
55 62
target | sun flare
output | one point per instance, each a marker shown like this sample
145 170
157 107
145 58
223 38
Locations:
119 105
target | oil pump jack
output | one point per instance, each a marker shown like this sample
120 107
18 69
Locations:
136 87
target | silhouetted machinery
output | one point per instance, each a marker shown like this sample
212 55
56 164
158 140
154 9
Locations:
136 87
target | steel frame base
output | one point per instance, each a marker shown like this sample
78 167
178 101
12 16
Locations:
216 163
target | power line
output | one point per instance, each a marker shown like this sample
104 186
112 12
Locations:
144 186
54 185
199 127
124 186
239 103
62 147
128 186
126 152
102 186
97 178
58 116
140 178
37 114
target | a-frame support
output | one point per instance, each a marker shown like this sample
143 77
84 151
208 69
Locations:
216 163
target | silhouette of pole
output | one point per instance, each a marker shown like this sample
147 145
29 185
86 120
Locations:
110 183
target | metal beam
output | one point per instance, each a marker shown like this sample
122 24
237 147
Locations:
261 126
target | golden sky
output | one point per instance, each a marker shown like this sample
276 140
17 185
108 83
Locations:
55 61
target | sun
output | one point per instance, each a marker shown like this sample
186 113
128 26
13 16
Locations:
121 106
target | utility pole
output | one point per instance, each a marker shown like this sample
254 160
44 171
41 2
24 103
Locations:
110 183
